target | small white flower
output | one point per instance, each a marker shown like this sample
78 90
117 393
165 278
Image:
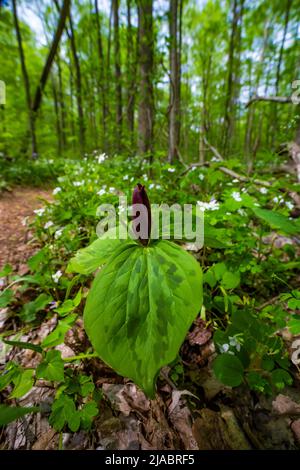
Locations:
213 205
40 211
201 176
56 190
112 189
236 196
224 348
289 205
235 180
244 190
263 190
56 276
101 192
58 233
77 183
215 159
145 177
101 158
158 186
241 212
125 178
151 185
278 199
48 224
132 179
171 170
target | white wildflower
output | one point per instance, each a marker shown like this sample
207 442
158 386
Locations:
40 211
236 196
151 185
224 348
278 199
201 176
215 159
213 205
241 212
57 276
101 192
235 180
289 205
48 224
101 158
77 183
58 233
112 189
158 186
263 190
56 190
125 178
171 170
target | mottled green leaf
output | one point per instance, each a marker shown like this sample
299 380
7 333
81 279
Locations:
140 307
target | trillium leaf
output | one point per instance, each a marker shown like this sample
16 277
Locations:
88 259
10 413
276 220
140 307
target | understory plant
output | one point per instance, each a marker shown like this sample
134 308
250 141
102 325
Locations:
142 302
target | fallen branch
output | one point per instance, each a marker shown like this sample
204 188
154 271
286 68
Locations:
274 99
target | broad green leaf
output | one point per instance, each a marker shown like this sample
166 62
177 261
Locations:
23 383
30 309
294 325
140 307
276 220
58 334
87 413
6 270
52 367
281 378
88 259
228 369
11 413
6 297
64 412
230 280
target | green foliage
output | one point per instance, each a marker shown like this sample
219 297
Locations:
52 367
11 413
140 307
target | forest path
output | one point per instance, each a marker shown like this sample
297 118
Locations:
15 235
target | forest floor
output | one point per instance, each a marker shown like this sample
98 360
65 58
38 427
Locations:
15 239
201 414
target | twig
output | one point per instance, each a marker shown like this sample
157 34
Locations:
274 99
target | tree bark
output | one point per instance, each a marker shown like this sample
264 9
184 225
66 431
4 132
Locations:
175 75
101 80
78 84
233 74
118 83
131 51
26 82
146 100
47 67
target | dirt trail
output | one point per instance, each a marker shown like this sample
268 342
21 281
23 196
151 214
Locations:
14 235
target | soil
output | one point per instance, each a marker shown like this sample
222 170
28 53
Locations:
16 241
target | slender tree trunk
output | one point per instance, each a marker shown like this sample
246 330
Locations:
175 68
146 100
278 70
118 82
233 73
250 118
101 81
61 100
131 51
57 115
78 84
26 82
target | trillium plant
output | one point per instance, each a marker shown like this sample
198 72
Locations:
143 299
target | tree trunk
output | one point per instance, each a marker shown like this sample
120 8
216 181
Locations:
146 100
131 50
101 80
57 116
118 83
175 72
78 86
46 70
233 73
26 82
61 100
278 69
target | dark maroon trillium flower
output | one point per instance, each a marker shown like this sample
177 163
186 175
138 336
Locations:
141 223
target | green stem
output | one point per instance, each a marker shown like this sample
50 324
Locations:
80 356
